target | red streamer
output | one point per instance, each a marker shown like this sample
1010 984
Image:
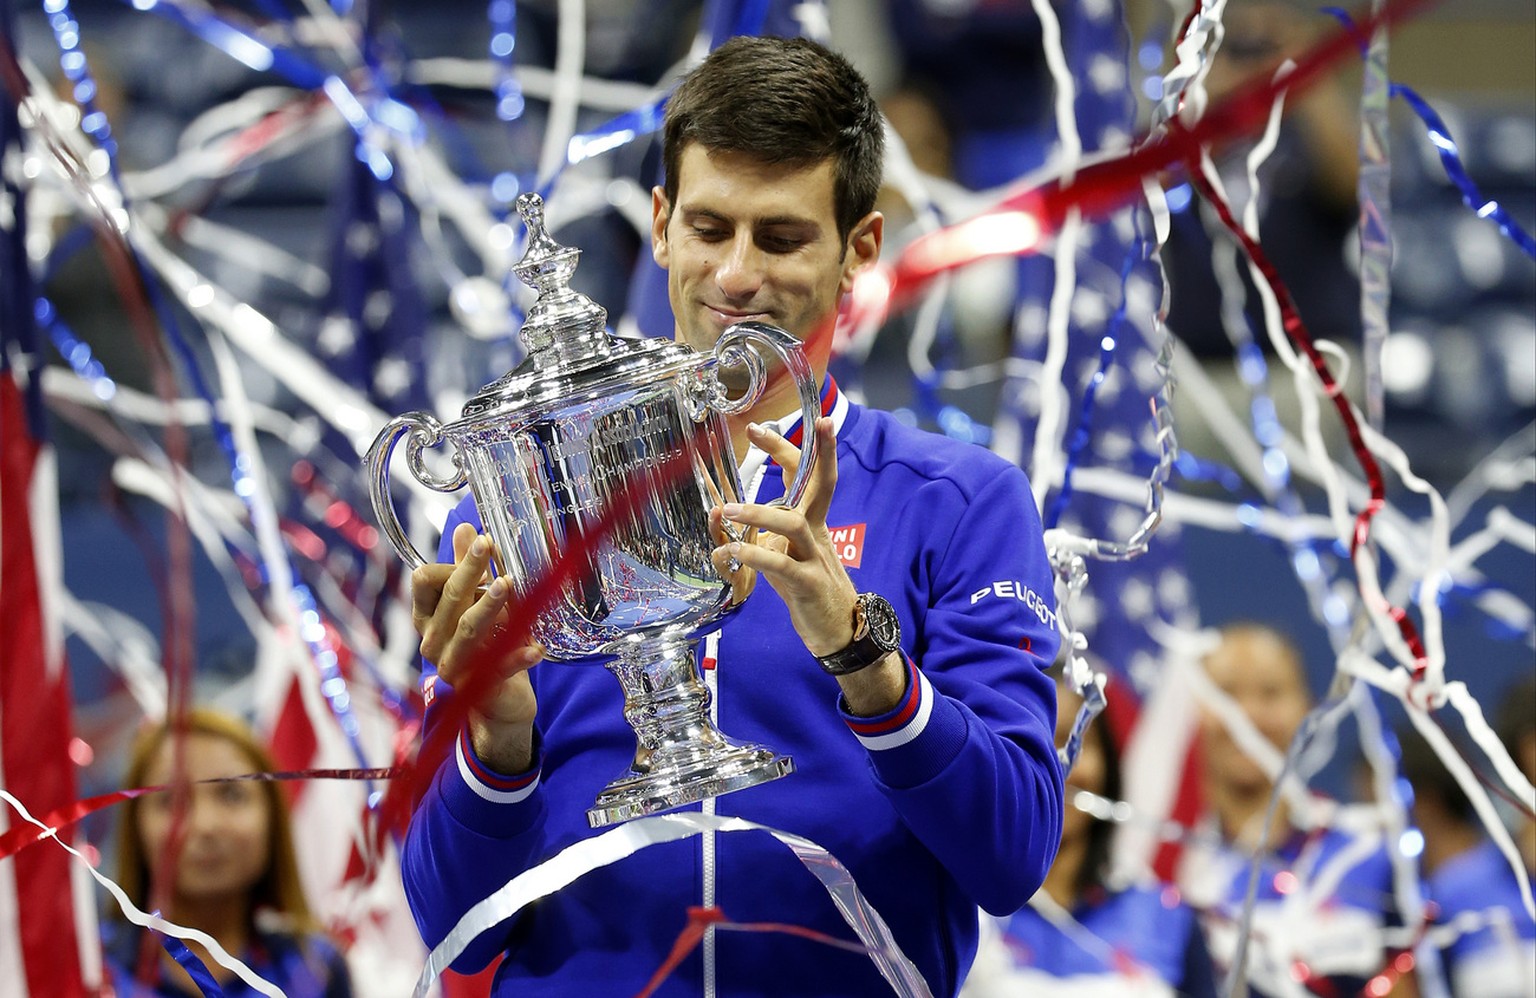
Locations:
481 674
26 834
1021 223
701 919
1296 331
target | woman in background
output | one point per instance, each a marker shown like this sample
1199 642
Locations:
233 876
1082 935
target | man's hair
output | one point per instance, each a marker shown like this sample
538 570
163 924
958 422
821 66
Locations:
782 101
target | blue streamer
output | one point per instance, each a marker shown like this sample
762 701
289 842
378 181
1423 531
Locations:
76 352
250 50
1198 469
194 967
235 42
1082 433
621 130
67 33
1450 158
618 131
510 103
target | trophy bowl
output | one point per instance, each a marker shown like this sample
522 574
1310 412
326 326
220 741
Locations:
586 418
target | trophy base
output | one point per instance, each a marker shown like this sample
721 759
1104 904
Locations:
734 767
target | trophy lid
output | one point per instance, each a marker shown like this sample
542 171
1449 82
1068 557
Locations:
564 327
565 333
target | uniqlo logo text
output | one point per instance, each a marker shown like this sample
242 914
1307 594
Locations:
848 542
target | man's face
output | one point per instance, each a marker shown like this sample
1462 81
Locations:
1266 682
753 241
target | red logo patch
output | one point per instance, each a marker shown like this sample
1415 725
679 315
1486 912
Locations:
848 542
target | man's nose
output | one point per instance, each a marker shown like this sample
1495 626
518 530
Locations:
740 273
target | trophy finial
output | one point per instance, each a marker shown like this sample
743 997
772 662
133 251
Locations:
546 266
531 207
563 324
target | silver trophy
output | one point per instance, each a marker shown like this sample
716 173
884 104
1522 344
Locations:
589 416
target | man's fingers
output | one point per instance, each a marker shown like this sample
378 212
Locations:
426 590
478 621
784 521
818 492
765 437
464 583
754 559
463 536
458 591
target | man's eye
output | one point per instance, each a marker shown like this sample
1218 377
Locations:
780 244
708 234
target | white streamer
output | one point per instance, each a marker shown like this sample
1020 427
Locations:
603 850
1397 682
138 916
570 54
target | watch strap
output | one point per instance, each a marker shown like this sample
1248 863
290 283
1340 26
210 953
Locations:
868 646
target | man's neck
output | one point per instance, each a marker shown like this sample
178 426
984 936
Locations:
779 400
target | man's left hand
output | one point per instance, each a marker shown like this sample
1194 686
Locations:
793 551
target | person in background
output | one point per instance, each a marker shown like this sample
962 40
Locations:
1492 953
1441 811
1324 895
1082 934
232 874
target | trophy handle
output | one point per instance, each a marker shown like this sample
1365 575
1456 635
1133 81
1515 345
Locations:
425 431
731 351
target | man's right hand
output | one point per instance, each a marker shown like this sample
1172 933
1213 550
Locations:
457 621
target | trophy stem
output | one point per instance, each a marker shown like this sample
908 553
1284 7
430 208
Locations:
681 757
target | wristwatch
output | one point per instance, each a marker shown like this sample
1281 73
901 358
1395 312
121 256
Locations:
876 633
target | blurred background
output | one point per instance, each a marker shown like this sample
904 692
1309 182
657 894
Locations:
327 190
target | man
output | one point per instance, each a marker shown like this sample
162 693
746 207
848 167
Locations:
928 770
1323 895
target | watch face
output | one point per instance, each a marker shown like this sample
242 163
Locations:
884 627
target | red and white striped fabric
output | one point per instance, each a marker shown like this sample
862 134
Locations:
49 945
1159 777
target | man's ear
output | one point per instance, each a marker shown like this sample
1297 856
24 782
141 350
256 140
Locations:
661 213
863 250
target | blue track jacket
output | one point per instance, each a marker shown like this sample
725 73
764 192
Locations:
951 801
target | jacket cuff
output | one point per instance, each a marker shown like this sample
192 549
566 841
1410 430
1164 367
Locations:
914 741
483 799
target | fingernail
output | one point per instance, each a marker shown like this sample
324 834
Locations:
734 548
731 510
754 427
480 546
498 588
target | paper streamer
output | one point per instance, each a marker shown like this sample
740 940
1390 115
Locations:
1445 146
625 840
140 917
